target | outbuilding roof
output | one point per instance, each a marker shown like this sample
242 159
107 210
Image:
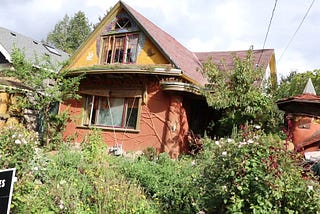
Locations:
32 48
224 59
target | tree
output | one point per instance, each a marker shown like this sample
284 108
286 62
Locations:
239 98
69 33
44 95
295 82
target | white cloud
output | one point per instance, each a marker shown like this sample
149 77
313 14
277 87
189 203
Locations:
200 25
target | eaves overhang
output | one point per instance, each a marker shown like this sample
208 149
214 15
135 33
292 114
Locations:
101 70
5 53
172 86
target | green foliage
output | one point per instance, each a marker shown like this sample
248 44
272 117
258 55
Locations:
69 33
47 88
254 173
72 183
295 82
239 96
170 183
251 172
17 148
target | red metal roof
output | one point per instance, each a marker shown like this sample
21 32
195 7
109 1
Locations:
179 55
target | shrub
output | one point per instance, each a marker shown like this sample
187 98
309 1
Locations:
172 184
17 148
254 173
75 183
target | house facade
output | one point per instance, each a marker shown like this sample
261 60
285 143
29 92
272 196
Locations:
141 86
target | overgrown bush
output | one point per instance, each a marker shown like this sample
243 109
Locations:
254 173
17 148
172 184
79 181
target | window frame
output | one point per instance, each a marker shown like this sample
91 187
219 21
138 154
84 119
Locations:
110 43
90 114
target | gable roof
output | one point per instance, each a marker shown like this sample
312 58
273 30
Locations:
224 59
179 55
10 40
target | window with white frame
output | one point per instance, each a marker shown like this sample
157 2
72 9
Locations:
113 112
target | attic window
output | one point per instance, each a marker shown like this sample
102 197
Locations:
120 48
123 23
52 50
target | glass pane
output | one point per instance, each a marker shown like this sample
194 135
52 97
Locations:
132 112
118 49
132 48
110 113
131 120
87 110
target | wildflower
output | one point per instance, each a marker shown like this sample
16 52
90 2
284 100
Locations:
250 141
224 153
310 188
217 143
24 141
193 163
17 141
257 127
35 168
256 178
230 140
61 205
241 144
224 187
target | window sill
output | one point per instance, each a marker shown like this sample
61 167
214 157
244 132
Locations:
110 129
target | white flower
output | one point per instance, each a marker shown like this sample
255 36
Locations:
250 141
35 168
224 188
217 143
230 140
310 188
256 178
17 141
61 206
241 144
224 153
258 127
24 141
193 163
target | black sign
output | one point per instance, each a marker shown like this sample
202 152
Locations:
7 177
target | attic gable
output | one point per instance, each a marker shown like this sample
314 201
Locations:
118 39
155 46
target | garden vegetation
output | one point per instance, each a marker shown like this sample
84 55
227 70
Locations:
247 168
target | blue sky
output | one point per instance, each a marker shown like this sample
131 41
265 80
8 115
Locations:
200 25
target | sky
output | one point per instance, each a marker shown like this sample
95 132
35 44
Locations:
200 25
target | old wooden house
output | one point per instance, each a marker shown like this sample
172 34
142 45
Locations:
142 87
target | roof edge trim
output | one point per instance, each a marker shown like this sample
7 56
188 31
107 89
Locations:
5 53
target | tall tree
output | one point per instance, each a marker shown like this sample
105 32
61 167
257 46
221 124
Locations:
236 94
69 33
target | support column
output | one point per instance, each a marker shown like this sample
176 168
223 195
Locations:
176 127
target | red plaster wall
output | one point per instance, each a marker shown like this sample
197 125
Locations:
307 138
153 123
